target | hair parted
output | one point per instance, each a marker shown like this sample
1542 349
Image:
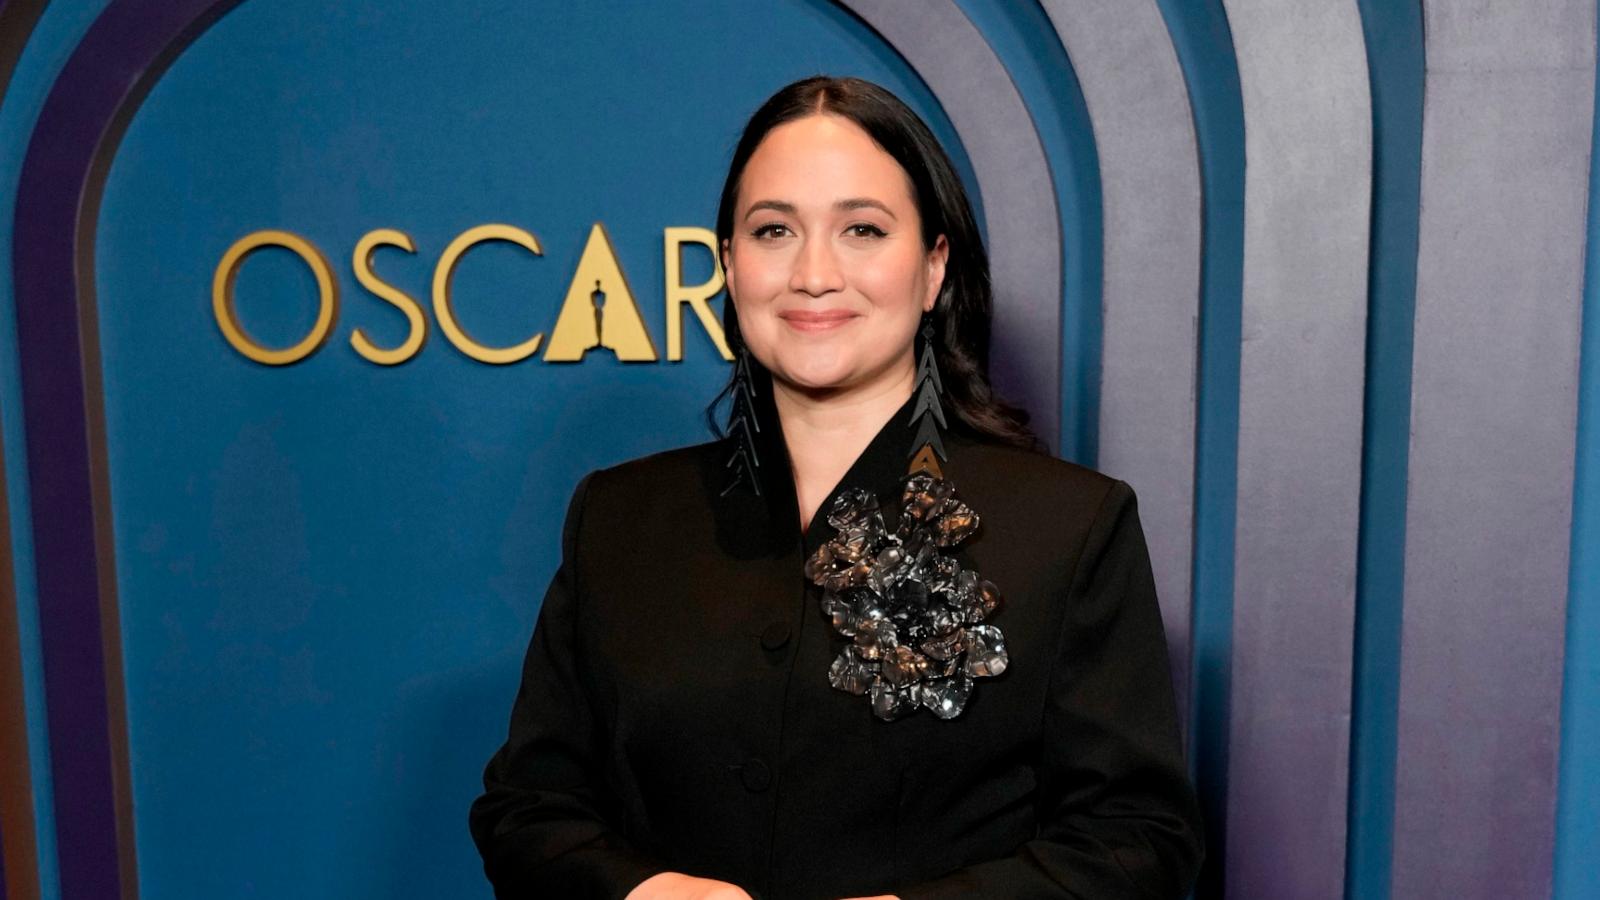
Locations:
961 313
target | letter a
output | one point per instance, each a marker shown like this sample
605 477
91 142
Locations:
599 283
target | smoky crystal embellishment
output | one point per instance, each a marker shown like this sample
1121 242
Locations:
917 621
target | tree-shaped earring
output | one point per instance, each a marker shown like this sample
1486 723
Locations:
927 415
743 425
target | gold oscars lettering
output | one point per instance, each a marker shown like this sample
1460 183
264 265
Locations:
599 312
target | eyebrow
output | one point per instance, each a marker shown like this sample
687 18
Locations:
849 203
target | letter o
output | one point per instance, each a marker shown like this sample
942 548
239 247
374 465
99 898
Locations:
227 317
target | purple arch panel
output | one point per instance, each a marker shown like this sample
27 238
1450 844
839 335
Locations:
1507 110
1308 184
1150 181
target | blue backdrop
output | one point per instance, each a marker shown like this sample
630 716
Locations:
328 571
260 625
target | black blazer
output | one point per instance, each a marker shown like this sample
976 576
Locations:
675 713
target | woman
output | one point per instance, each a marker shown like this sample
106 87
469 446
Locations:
797 662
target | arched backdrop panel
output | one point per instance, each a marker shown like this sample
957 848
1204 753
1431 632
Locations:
1308 276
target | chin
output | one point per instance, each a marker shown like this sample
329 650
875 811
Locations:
816 381
813 370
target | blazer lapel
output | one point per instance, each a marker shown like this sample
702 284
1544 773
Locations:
769 524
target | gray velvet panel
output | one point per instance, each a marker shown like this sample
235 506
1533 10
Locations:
1150 179
1505 159
1308 182
944 47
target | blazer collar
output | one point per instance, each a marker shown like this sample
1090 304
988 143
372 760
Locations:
775 514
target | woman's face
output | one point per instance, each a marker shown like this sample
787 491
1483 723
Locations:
826 267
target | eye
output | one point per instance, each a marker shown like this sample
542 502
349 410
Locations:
766 230
864 229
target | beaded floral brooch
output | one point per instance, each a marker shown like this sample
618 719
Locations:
915 617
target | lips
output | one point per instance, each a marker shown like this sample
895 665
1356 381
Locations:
816 319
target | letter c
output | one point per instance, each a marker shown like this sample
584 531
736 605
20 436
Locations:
441 293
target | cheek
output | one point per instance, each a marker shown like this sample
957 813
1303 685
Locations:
894 285
757 325
752 290
758 278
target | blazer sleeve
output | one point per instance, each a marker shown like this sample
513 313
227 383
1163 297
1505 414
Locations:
1118 814
543 824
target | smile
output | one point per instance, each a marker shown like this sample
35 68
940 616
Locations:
819 320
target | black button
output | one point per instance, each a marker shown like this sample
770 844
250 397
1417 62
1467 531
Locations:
755 775
775 635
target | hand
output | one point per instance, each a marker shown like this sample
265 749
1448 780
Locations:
677 886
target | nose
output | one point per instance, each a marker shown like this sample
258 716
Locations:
816 269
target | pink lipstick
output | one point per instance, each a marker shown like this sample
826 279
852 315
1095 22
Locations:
816 320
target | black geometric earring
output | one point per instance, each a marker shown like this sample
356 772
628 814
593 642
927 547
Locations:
927 416
742 423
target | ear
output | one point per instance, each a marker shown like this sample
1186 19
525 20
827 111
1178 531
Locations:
727 275
937 257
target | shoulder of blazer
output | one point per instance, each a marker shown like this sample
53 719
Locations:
1029 479
658 480
664 464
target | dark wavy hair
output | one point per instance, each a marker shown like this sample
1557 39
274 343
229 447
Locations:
961 313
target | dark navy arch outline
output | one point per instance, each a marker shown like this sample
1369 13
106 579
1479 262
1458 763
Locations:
123 54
